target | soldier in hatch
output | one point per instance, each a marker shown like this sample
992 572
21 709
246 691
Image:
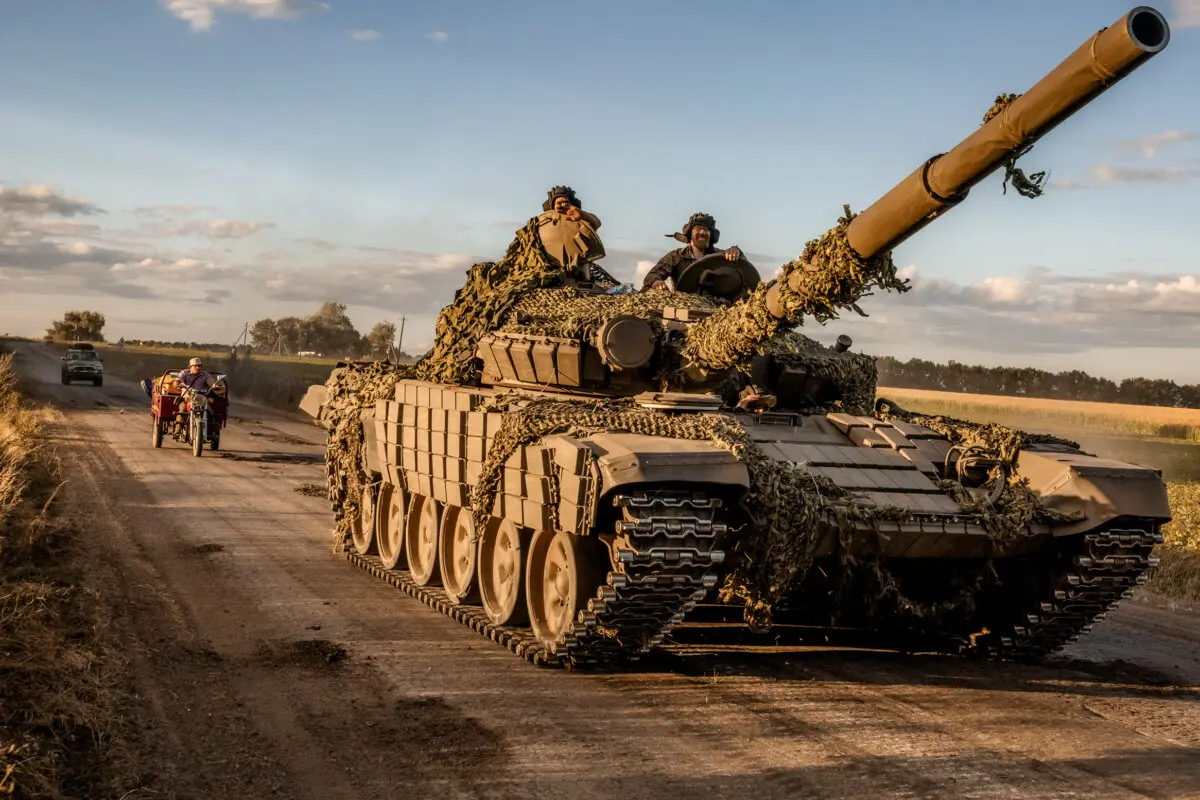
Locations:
699 236
569 235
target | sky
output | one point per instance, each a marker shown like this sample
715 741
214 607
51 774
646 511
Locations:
188 166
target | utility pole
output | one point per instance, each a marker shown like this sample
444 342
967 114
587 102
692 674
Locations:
400 343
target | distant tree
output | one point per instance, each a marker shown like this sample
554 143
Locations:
289 334
264 334
78 325
331 331
380 340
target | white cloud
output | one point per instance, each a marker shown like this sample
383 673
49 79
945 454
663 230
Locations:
37 199
210 228
1040 312
367 35
639 274
1112 174
1187 284
438 36
1005 290
1149 146
175 269
170 210
200 14
1187 13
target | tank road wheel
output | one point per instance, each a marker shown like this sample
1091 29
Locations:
501 564
362 530
421 540
456 555
563 574
156 435
389 524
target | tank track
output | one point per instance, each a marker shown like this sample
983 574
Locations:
663 559
1105 568
664 554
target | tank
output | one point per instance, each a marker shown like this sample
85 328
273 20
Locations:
574 470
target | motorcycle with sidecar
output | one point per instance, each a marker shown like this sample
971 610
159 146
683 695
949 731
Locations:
187 415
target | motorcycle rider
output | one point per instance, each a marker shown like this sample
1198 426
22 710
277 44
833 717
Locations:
194 377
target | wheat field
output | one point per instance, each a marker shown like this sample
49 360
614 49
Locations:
1109 418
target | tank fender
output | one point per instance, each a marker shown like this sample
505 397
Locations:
630 458
314 401
1100 488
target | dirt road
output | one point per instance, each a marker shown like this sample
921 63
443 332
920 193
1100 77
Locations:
264 666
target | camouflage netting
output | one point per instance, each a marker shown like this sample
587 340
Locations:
789 508
827 276
571 313
855 374
352 389
1004 505
1026 185
490 292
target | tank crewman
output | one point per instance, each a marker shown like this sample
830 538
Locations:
569 233
699 236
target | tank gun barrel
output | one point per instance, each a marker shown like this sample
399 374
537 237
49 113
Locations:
837 270
944 180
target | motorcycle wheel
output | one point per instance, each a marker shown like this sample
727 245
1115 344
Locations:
197 440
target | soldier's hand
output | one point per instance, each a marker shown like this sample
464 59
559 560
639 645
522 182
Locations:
573 213
658 285
733 253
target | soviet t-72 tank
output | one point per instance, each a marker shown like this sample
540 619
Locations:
570 471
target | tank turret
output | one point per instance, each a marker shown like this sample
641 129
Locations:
574 467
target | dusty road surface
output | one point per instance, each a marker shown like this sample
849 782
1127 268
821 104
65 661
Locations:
264 666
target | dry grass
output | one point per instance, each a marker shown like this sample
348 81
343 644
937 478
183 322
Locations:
1108 418
1178 574
58 706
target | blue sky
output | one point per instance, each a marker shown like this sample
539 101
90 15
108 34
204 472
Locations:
217 161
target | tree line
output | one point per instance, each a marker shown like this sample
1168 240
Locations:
1076 384
328 332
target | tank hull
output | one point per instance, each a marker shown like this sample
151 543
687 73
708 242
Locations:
665 517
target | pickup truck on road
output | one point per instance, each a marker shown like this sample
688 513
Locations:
82 363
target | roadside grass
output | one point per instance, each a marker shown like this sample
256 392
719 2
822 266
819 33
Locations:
1178 573
60 729
1037 414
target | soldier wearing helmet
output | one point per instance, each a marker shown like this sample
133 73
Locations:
699 236
568 233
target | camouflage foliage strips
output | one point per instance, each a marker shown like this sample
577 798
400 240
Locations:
827 276
788 508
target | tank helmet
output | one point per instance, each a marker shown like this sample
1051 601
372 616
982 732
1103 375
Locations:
561 191
699 218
